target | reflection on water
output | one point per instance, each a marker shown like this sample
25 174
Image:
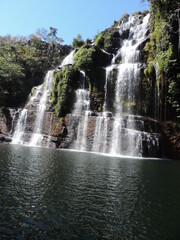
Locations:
49 194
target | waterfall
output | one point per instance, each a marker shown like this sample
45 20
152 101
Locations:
30 130
102 120
33 131
128 141
123 136
46 87
80 114
17 137
38 102
156 89
78 120
108 73
50 129
68 60
117 130
81 133
100 143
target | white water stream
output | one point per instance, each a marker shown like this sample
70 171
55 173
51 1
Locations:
46 88
125 140
68 60
20 128
126 88
118 132
81 109
40 100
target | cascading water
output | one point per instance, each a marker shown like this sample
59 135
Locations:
20 128
123 134
125 140
102 120
108 72
128 141
68 60
101 133
50 129
116 130
156 98
81 112
39 101
82 97
38 104
45 89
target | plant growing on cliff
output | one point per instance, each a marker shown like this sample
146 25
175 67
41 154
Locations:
49 36
104 40
83 59
77 42
126 15
65 82
162 51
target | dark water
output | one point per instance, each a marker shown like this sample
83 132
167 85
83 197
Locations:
50 194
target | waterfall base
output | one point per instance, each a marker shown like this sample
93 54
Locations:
144 140
63 134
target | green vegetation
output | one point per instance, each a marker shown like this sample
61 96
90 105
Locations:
124 16
84 59
104 40
111 84
91 60
24 61
65 82
77 42
163 50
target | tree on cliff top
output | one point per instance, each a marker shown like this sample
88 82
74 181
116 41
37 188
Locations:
77 42
49 37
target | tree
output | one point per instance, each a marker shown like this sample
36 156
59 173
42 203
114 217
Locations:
49 37
23 62
42 33
77 42
52 36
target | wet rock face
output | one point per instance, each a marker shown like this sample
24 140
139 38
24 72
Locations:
109 40
152 145
58 129
147 130
101 58
6 123
54 129
62 133
104 114
5 139
5 120
171 141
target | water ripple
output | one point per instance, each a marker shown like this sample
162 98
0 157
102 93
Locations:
47 194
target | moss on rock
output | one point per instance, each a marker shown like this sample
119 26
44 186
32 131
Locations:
108 40
162 51
92 60
62 96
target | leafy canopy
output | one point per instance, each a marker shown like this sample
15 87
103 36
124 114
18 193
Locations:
77 42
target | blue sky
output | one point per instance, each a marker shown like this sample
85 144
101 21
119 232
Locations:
70 17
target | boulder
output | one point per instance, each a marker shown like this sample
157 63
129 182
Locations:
5 138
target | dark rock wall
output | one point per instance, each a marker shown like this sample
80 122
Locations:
6 123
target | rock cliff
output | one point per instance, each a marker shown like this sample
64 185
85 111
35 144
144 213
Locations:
111 97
